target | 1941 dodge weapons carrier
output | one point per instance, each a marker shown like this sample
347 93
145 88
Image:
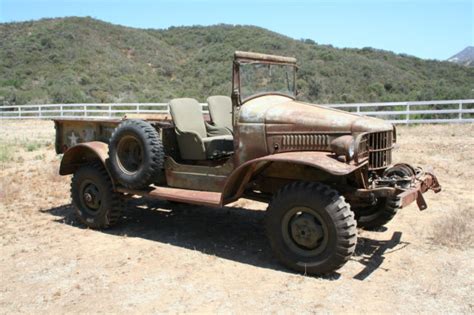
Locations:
322 171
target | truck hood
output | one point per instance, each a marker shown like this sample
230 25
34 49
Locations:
281 114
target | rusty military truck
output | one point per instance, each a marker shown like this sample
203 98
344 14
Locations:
323 172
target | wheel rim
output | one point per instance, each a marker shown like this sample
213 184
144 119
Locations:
129 154
91 197
304 231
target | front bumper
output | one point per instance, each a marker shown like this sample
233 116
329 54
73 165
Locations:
421 183
425 182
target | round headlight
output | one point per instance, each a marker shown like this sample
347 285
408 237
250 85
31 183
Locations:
344 146
351 150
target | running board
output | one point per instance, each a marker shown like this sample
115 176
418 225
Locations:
196 197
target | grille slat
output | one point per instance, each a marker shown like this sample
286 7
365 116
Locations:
380 149
363 151
304 142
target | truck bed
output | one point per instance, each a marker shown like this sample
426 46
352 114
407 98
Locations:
72 131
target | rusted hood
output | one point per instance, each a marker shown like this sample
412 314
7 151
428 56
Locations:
282 114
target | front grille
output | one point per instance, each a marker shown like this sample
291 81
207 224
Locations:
380 149
362 148
304 142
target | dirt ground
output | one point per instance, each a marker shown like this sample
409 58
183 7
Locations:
168 258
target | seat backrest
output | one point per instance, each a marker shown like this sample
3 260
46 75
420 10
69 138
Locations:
187 115
220 110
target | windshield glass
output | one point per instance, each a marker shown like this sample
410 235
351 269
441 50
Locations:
260 78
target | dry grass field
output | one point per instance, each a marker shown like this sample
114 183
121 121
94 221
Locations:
169 258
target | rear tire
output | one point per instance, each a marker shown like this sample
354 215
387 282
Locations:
311 228
136 155
96 204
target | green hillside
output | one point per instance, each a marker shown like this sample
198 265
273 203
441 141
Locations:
85 60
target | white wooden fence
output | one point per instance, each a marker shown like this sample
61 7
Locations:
449 111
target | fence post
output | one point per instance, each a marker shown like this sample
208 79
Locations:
138 108
110 110
19 111
408 113
85 110
40 113
61 110
358 109
460 112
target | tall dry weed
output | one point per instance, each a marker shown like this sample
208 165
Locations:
455 230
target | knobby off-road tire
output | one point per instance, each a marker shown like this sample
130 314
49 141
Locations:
136 155
311 228
376 216
96 204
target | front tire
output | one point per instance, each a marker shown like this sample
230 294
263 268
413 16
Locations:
375 216
311 228
96 204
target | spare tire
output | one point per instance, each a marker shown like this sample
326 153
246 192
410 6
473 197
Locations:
136 155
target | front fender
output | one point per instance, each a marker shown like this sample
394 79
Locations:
84 153
235 184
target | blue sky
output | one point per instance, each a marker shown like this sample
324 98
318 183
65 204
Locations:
427 29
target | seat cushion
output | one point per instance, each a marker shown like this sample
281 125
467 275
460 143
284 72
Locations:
218 146
220 110
187 116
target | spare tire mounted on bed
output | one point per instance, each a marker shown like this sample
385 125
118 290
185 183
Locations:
136 154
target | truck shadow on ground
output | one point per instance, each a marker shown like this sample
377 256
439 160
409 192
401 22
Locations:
371 253
231 233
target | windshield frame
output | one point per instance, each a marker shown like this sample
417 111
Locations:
251 58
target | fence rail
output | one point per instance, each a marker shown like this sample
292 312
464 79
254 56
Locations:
448 111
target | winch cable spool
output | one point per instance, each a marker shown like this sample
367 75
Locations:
400 175
400 169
